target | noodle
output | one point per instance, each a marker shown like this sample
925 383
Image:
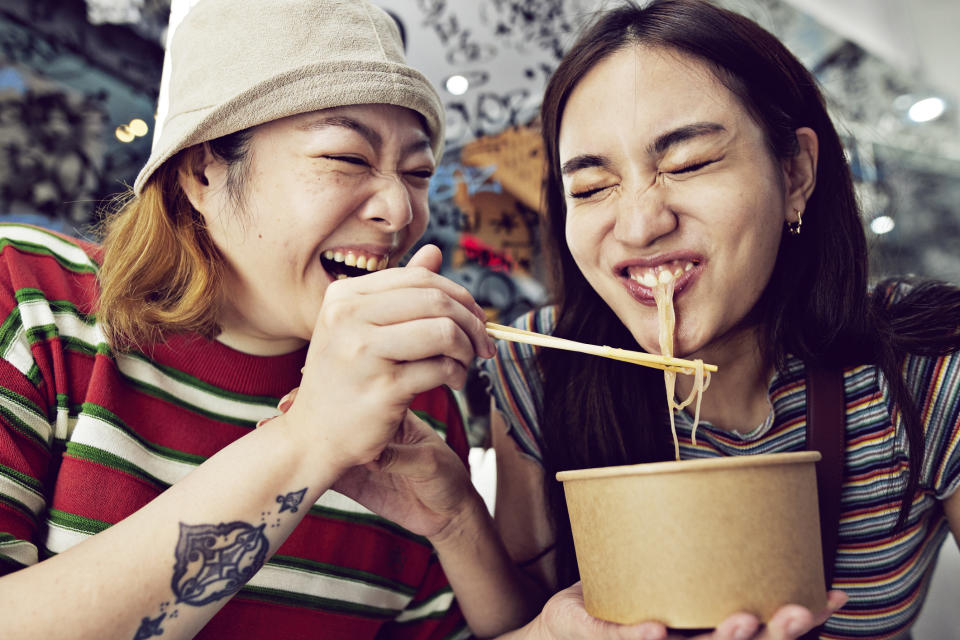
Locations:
666 320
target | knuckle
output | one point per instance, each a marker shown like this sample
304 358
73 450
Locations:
335 309
436 299
458 378
450 367
417 273
447 332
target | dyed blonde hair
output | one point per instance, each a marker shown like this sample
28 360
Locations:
161 273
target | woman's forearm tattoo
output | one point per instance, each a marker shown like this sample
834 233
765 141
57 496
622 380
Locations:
212 562
215 561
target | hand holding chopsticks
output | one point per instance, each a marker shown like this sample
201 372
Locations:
679 365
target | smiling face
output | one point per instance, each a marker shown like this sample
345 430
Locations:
326 194
664 170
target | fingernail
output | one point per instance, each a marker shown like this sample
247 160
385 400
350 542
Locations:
479 312
263 422
284 403
491 347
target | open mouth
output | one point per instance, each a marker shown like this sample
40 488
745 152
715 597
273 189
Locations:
349 264
662 273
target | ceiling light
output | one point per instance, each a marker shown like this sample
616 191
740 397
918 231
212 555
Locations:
124 134
881 225
927 109
457 85
138 127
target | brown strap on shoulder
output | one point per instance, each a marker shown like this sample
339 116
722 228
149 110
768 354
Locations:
826 433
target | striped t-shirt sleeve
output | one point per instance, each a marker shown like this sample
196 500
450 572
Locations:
25 455
937 393
935 387
516 383
30 409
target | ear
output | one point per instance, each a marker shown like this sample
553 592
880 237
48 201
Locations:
200 172
800 173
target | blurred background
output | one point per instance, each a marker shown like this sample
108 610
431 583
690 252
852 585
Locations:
80 82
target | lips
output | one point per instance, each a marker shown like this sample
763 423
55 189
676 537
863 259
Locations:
640 277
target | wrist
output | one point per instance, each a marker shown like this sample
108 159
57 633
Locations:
311 450
466 525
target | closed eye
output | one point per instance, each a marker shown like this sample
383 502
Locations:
587 193
360 162
690 168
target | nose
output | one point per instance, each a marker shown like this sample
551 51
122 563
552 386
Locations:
390 205
645 217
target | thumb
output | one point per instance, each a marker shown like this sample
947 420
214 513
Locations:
429 257
412 453
414 461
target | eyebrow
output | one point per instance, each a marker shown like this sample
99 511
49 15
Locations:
661 144
585 161
684 133
319 124
371 136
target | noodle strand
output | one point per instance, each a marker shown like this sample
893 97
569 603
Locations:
666 321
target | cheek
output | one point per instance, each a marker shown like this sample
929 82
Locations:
582 240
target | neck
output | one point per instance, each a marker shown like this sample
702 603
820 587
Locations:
738 395
257 345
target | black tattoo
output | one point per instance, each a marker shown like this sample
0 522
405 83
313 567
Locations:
292 500
215 561
149 628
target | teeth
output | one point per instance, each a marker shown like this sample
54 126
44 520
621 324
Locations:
341 276
663 273
360 261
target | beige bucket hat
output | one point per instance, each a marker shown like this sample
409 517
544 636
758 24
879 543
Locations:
235 64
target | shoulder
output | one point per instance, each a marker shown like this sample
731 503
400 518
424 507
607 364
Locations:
515 362
934 381
925 294
31 241
37 262
542 320
516 382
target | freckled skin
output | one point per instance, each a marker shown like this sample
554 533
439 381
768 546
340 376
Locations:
301 196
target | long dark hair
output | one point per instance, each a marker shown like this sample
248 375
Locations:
597 412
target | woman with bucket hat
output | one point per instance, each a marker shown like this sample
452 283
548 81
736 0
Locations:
150 485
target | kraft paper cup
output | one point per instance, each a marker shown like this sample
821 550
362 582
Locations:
688 543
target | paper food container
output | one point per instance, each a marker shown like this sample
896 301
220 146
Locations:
688 543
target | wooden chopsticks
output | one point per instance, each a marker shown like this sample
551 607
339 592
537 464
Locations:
679 365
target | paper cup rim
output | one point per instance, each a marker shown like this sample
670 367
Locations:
699 464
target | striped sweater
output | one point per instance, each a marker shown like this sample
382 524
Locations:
886 575
87 438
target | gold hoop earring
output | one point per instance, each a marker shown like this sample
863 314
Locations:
793 228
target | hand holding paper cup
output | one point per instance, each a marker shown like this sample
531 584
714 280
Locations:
689 543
